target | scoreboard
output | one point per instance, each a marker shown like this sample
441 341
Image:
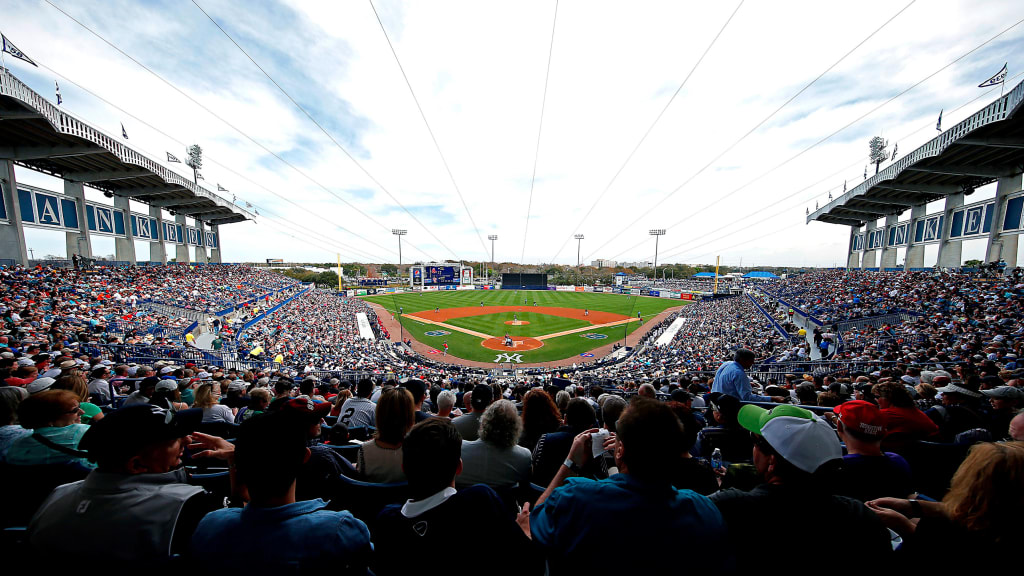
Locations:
434 275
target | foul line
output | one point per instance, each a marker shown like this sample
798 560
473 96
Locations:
544 337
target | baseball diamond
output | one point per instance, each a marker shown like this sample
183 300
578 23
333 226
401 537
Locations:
553 326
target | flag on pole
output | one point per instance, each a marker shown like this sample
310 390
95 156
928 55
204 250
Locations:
221 188
999 78
13 51
60 100
895 147
199 176
172 158
123 132
865 172
938 125
829 195
247 205
844 186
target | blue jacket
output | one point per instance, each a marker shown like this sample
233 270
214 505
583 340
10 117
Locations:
731 379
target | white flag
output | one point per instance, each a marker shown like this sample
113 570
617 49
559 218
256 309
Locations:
999 78
221 188
13 51
172 158
60 100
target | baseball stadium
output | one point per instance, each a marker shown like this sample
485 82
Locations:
288 287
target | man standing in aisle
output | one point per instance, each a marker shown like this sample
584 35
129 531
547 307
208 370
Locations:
731 378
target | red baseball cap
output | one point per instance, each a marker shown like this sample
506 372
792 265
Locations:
307 406
862 417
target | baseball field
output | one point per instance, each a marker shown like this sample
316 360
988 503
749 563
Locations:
519 326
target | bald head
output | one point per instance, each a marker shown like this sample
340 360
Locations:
647 391
1017 427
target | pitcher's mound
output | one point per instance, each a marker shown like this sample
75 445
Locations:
516 322
520 344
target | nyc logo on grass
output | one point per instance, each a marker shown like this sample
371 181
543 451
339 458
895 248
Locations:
505 357
436 333
592 336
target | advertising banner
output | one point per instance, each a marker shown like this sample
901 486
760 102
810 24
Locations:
470 287
579 288
598 288
655 293
429 288
360 292
634 291
686 296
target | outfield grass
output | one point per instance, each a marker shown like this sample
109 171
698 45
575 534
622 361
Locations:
572 345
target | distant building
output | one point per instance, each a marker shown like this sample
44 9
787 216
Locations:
601 263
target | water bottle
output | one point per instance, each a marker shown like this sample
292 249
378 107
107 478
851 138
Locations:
716 459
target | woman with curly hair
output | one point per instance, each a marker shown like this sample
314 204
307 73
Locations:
981 514
495 459
540 416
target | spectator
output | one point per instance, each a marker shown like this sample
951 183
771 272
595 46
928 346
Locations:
76 383
960 411
277 531
259 400
611 410
10 429
136 489
1005 401
793 453
323 466
574 517
99 388
407 533
206 398
359 411
729 435
540 416
495 459
468 425
552 447
1017 427
55 418
868 473
445 404
691 473
731 378
981 512
380 459
167 396
147 387
418 389
904 421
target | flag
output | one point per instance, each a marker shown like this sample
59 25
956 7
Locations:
865 172
60 100
13 51
844 186
895 147
830 196
221 188
199 176
938 125
123 132
247 205
999 78
172 158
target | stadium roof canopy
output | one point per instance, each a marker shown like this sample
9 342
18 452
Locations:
759 274
41 136
704 275
980 150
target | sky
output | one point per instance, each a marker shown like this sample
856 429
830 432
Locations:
529 120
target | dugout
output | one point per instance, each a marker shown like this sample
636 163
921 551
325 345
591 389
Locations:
520 281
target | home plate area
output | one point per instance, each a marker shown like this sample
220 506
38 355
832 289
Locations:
519 343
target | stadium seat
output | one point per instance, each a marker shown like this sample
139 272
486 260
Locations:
348 451
218 482
366 499
220 429
933 464
28 486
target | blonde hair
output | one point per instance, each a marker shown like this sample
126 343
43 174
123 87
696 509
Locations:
204 395
985 495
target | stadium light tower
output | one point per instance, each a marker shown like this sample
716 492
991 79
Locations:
492 238
656 233
579 243
399 233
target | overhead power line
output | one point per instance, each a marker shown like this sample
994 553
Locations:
758 125
648 132
540 130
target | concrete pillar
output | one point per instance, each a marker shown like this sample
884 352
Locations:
999 246
869 255
888 253
853 260
181 249
215 252
124 248
78 242
915 252
950 253
201 250
12 233
157 252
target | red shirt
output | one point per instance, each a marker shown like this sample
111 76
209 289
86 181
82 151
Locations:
909 422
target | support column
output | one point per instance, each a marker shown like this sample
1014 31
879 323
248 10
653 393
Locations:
201 250
915 252
215 252
950 253
999 246
157 251
78 242
888 253
124 248
12 233
182 249
853 258
869 255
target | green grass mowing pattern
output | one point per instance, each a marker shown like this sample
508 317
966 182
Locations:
468 347
539 324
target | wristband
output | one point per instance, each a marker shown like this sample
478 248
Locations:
572 466
915 508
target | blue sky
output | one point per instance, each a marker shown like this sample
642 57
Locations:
478 72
